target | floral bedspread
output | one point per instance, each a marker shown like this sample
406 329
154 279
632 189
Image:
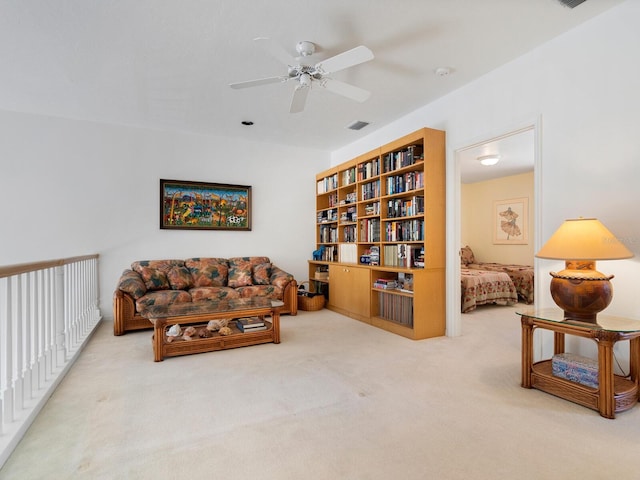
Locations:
521 276
482 287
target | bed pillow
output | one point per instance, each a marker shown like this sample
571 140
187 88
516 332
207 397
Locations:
466 255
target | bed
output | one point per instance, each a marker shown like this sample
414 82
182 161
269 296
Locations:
521 275
484 287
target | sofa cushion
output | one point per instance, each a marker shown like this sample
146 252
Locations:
212 293
240 275
262 274
154 279
162 297
154 272
208 272
269 291
180 278
252 260
131 282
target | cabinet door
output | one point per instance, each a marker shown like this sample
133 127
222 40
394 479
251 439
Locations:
349 289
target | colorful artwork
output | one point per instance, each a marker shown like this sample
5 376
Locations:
209 206
511 221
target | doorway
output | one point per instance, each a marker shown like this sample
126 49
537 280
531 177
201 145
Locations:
518 152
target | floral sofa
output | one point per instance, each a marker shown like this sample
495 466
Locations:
162 282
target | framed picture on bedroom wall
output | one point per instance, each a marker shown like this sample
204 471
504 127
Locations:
511 221
188 205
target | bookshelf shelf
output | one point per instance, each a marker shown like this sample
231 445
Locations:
385 220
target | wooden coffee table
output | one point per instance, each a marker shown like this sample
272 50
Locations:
198 314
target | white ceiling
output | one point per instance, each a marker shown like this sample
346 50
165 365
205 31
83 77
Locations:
167 63
516 152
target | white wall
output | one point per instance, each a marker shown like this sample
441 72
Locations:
73 188
583 87
477 218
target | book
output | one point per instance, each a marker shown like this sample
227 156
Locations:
250 329
249 322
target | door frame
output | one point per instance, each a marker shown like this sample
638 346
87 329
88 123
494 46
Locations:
454 316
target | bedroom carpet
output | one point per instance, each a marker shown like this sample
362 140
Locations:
337 399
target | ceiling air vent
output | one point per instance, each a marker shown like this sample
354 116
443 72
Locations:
571 3
357 125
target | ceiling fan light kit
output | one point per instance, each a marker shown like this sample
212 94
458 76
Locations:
306 75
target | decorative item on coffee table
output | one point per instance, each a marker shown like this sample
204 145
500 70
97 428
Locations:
250 324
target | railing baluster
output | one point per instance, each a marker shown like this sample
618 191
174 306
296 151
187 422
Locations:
5 353
48 311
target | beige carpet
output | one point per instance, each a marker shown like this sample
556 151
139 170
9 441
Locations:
337 399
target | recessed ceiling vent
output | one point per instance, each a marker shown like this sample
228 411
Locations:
357 125
571 3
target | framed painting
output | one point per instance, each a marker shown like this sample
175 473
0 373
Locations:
511 221
188 205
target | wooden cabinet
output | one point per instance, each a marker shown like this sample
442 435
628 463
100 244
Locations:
384 212
349 290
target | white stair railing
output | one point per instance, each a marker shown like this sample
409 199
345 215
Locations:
48 311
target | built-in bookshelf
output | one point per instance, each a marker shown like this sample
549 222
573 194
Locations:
380 222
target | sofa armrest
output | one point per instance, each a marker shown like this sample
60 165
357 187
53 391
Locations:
279 277
124 310
287 282
290 298
132 283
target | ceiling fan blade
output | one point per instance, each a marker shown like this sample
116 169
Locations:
258 82
346 90
346 59
299 99
275 49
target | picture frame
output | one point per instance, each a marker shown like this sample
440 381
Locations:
192 205
511 221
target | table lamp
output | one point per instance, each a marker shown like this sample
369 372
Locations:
580 290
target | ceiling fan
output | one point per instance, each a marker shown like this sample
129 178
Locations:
305 75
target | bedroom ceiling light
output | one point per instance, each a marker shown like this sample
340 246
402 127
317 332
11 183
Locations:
489 159
580 290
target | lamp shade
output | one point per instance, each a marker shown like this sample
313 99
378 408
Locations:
583 239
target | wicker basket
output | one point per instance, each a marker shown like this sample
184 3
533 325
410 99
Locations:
307 301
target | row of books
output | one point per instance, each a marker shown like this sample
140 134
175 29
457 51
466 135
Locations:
349 215
349 233
404 183
329 254
330 215
250 324
403 255
348 252
349 176
372 208
405 208
396 308
404 231
385 283
328 234
370 230
369 169
370 190
403 158
328 183
351 197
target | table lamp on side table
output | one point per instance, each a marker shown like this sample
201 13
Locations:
580 290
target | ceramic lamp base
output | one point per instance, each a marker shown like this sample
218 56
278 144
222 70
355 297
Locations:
581 291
